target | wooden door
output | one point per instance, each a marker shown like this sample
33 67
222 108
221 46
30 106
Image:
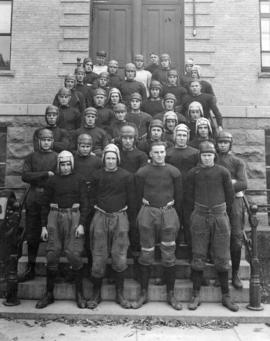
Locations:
125 27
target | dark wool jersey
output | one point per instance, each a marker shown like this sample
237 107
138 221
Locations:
208 102
132 160
90 77
104 117
141 120
115 80
207 87
237 169
112 191
161 75
192 128
61 138
69 118
209 186
178 91
86 92
159 185
99 137
115 127
185 80
152 68
129 87
86 165
36 167
183 159
152 107
169 138
65 191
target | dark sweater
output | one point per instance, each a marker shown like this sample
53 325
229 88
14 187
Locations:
209 186
129 87
159 185
178 91
69 118
112 191
36 167
237 169
141 120
132 160
65 191
183 159
152 107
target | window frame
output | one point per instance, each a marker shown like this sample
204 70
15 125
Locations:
8 67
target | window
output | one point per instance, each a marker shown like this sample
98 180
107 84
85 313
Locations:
5 34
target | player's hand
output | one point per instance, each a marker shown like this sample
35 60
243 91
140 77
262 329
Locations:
50 173
220 128
44 234
79 231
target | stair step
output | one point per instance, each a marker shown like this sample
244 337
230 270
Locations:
183 291
182 268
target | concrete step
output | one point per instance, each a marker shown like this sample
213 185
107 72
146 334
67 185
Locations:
182 268
68 311
183 291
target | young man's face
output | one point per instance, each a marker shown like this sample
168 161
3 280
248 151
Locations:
154 58
103 81
156 133
181 139
195 88
224 147
51 118
112 69
84 149
115 98
88 67
90 120
69 83
172 80
120 115
130 75
135 104
46 144
203 131
127 142
169 104
189 67
158 154
99 100
139 64
80 77
208 159
110 161
194 113
165 63
65 168
155 92
194 74
100 60
64 99
170 124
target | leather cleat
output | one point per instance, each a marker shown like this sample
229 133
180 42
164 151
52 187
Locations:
236 281
228 303
195 301
47 299
28 275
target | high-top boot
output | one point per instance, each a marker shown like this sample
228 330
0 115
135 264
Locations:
29 273
81 302
169 275
48 297
236 258
226 299
144 281
197 280
12 282
119 286
96 296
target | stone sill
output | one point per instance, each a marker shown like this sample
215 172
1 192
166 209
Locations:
264 75
7 73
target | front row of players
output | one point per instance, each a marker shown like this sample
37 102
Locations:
117 204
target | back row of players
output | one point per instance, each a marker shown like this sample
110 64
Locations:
134 177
